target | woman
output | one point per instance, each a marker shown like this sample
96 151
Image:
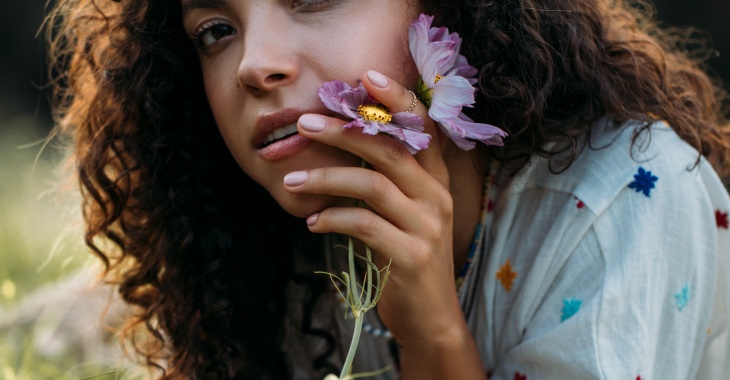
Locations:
182 113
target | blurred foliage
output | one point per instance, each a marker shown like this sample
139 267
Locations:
40 245
40 233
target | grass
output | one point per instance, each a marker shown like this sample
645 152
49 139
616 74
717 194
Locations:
40 245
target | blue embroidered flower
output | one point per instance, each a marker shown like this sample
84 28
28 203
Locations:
682 297
570 307
643 181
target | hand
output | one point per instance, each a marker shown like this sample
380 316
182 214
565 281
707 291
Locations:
409 219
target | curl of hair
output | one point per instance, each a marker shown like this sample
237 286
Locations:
205 255
202 252
548 69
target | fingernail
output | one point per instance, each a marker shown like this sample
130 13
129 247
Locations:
295 178
312 123
378 79
312 219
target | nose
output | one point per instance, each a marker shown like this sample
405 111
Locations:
268 60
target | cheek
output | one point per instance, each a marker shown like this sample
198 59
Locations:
221 90
366 45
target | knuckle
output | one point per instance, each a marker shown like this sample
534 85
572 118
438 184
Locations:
394 151
421 255
433 231
446 207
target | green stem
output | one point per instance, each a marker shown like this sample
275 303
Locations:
351 265
347 367
369 283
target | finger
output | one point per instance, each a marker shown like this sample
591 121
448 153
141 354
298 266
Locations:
361 224
385 154
374 188
399 99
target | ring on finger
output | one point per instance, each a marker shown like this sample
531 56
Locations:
413 104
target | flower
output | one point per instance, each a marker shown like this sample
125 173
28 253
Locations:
570 307
373 117
721 219
506 275
446 84
682 297
643 181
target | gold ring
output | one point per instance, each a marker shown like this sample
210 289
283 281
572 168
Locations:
413 104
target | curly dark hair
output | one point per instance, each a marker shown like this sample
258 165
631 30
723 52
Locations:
205 255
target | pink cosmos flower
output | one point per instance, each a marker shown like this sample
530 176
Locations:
446 84
372 117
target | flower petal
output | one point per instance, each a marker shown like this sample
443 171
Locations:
416 141
354 97
408 120
371 127
355 123
449 95
461 128
429 57
330 92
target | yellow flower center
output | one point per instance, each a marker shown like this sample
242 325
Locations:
375 112
438 78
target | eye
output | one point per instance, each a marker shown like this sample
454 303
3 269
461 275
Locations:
211 32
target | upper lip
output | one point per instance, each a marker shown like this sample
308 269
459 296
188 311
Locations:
272 121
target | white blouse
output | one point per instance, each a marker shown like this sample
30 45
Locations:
616 268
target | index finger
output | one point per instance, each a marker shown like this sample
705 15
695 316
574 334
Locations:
399 99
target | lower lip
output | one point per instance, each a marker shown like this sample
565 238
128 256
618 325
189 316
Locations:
284 148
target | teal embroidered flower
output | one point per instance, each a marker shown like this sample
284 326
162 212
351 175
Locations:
682 297
643 181
570 307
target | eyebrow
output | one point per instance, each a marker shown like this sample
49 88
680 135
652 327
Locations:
189 5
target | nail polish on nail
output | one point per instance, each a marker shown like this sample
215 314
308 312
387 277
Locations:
312 123
378 79
312 219
295 178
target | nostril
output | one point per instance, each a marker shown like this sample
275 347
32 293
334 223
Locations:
273 78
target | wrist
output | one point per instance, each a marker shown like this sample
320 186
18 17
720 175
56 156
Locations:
451 354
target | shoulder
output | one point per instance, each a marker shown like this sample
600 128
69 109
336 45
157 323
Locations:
622 158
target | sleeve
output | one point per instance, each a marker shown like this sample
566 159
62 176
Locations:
635 296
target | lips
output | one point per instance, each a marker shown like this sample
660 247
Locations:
275 135
271 125
279 125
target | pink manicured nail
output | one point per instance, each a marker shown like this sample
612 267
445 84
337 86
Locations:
295 178
312 219
312 123
378 79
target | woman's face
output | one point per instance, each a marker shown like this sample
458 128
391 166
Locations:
263 61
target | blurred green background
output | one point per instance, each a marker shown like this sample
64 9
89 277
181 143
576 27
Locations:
50 324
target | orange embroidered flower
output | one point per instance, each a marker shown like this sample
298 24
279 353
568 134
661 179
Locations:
506 275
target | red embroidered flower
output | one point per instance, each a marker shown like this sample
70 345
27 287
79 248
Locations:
580 203
519 376
721 219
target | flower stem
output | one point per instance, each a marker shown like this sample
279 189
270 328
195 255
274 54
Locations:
347 367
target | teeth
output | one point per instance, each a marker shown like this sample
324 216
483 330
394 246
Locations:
281 133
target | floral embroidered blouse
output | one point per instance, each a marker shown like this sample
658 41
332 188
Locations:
617 268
